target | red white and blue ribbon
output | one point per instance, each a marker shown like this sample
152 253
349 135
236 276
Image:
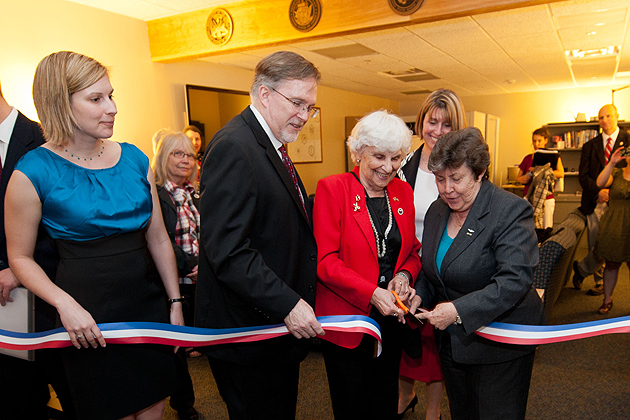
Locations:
175 335
545 334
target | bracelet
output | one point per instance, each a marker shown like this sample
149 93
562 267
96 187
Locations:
179 299
400 273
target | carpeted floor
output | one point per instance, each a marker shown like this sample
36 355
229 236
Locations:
584 379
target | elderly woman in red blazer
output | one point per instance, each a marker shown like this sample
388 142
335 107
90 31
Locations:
364 226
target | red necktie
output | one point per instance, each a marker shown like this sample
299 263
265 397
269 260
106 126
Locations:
289 165
608 149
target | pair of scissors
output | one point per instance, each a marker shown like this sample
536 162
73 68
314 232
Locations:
408 315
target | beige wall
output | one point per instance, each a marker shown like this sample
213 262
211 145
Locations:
149 96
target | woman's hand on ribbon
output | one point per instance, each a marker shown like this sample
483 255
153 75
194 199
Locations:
79 324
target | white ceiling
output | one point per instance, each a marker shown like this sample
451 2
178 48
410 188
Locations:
510 51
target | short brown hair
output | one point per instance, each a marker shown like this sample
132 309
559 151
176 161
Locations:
58 76
274 69
465 146
542 132
448 102
169 141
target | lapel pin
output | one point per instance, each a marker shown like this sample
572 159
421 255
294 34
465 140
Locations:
356 207
357 198
400 211
395 199
470 232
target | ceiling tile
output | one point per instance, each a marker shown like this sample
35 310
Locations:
517 22
594 70
578 38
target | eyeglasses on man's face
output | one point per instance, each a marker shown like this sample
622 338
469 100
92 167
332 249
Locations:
300 105
178 154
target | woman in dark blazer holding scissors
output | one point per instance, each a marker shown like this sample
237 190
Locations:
364 227
479 253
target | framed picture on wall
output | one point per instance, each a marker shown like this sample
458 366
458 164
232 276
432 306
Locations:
308 146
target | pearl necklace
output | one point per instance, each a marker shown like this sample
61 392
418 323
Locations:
381 250
98 155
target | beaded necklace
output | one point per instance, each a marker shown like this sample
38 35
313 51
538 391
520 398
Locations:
381 248
98 155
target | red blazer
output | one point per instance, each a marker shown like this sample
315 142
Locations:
347 265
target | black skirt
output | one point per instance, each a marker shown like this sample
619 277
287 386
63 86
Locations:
114 278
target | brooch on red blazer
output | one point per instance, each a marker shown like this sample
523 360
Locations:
400 210
356 203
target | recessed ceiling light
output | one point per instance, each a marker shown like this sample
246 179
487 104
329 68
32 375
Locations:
591 33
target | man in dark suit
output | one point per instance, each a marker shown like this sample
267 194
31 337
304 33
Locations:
257 263
595 155
24 385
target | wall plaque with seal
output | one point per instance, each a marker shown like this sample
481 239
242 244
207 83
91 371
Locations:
305 14
405 7
219 26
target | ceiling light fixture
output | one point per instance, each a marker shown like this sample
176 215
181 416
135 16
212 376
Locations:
612 50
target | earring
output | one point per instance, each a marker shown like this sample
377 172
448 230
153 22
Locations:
358 161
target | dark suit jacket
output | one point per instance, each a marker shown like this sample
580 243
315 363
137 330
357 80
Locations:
257 251
411 167
27 135
347 266
487 272
591 164
185 262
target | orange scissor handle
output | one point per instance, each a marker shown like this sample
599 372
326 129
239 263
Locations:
400 304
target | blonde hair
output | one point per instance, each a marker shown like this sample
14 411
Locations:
57 78
447 102
169 141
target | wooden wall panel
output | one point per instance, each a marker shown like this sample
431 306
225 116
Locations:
264 23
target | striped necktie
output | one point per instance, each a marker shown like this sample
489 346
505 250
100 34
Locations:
608 150
291 169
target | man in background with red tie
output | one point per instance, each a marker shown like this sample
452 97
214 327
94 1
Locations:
257 261
595 154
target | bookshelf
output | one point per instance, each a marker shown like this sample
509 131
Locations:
569 138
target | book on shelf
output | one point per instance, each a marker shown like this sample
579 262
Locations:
575 139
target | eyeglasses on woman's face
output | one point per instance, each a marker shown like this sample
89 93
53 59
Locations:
301 106
179 154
